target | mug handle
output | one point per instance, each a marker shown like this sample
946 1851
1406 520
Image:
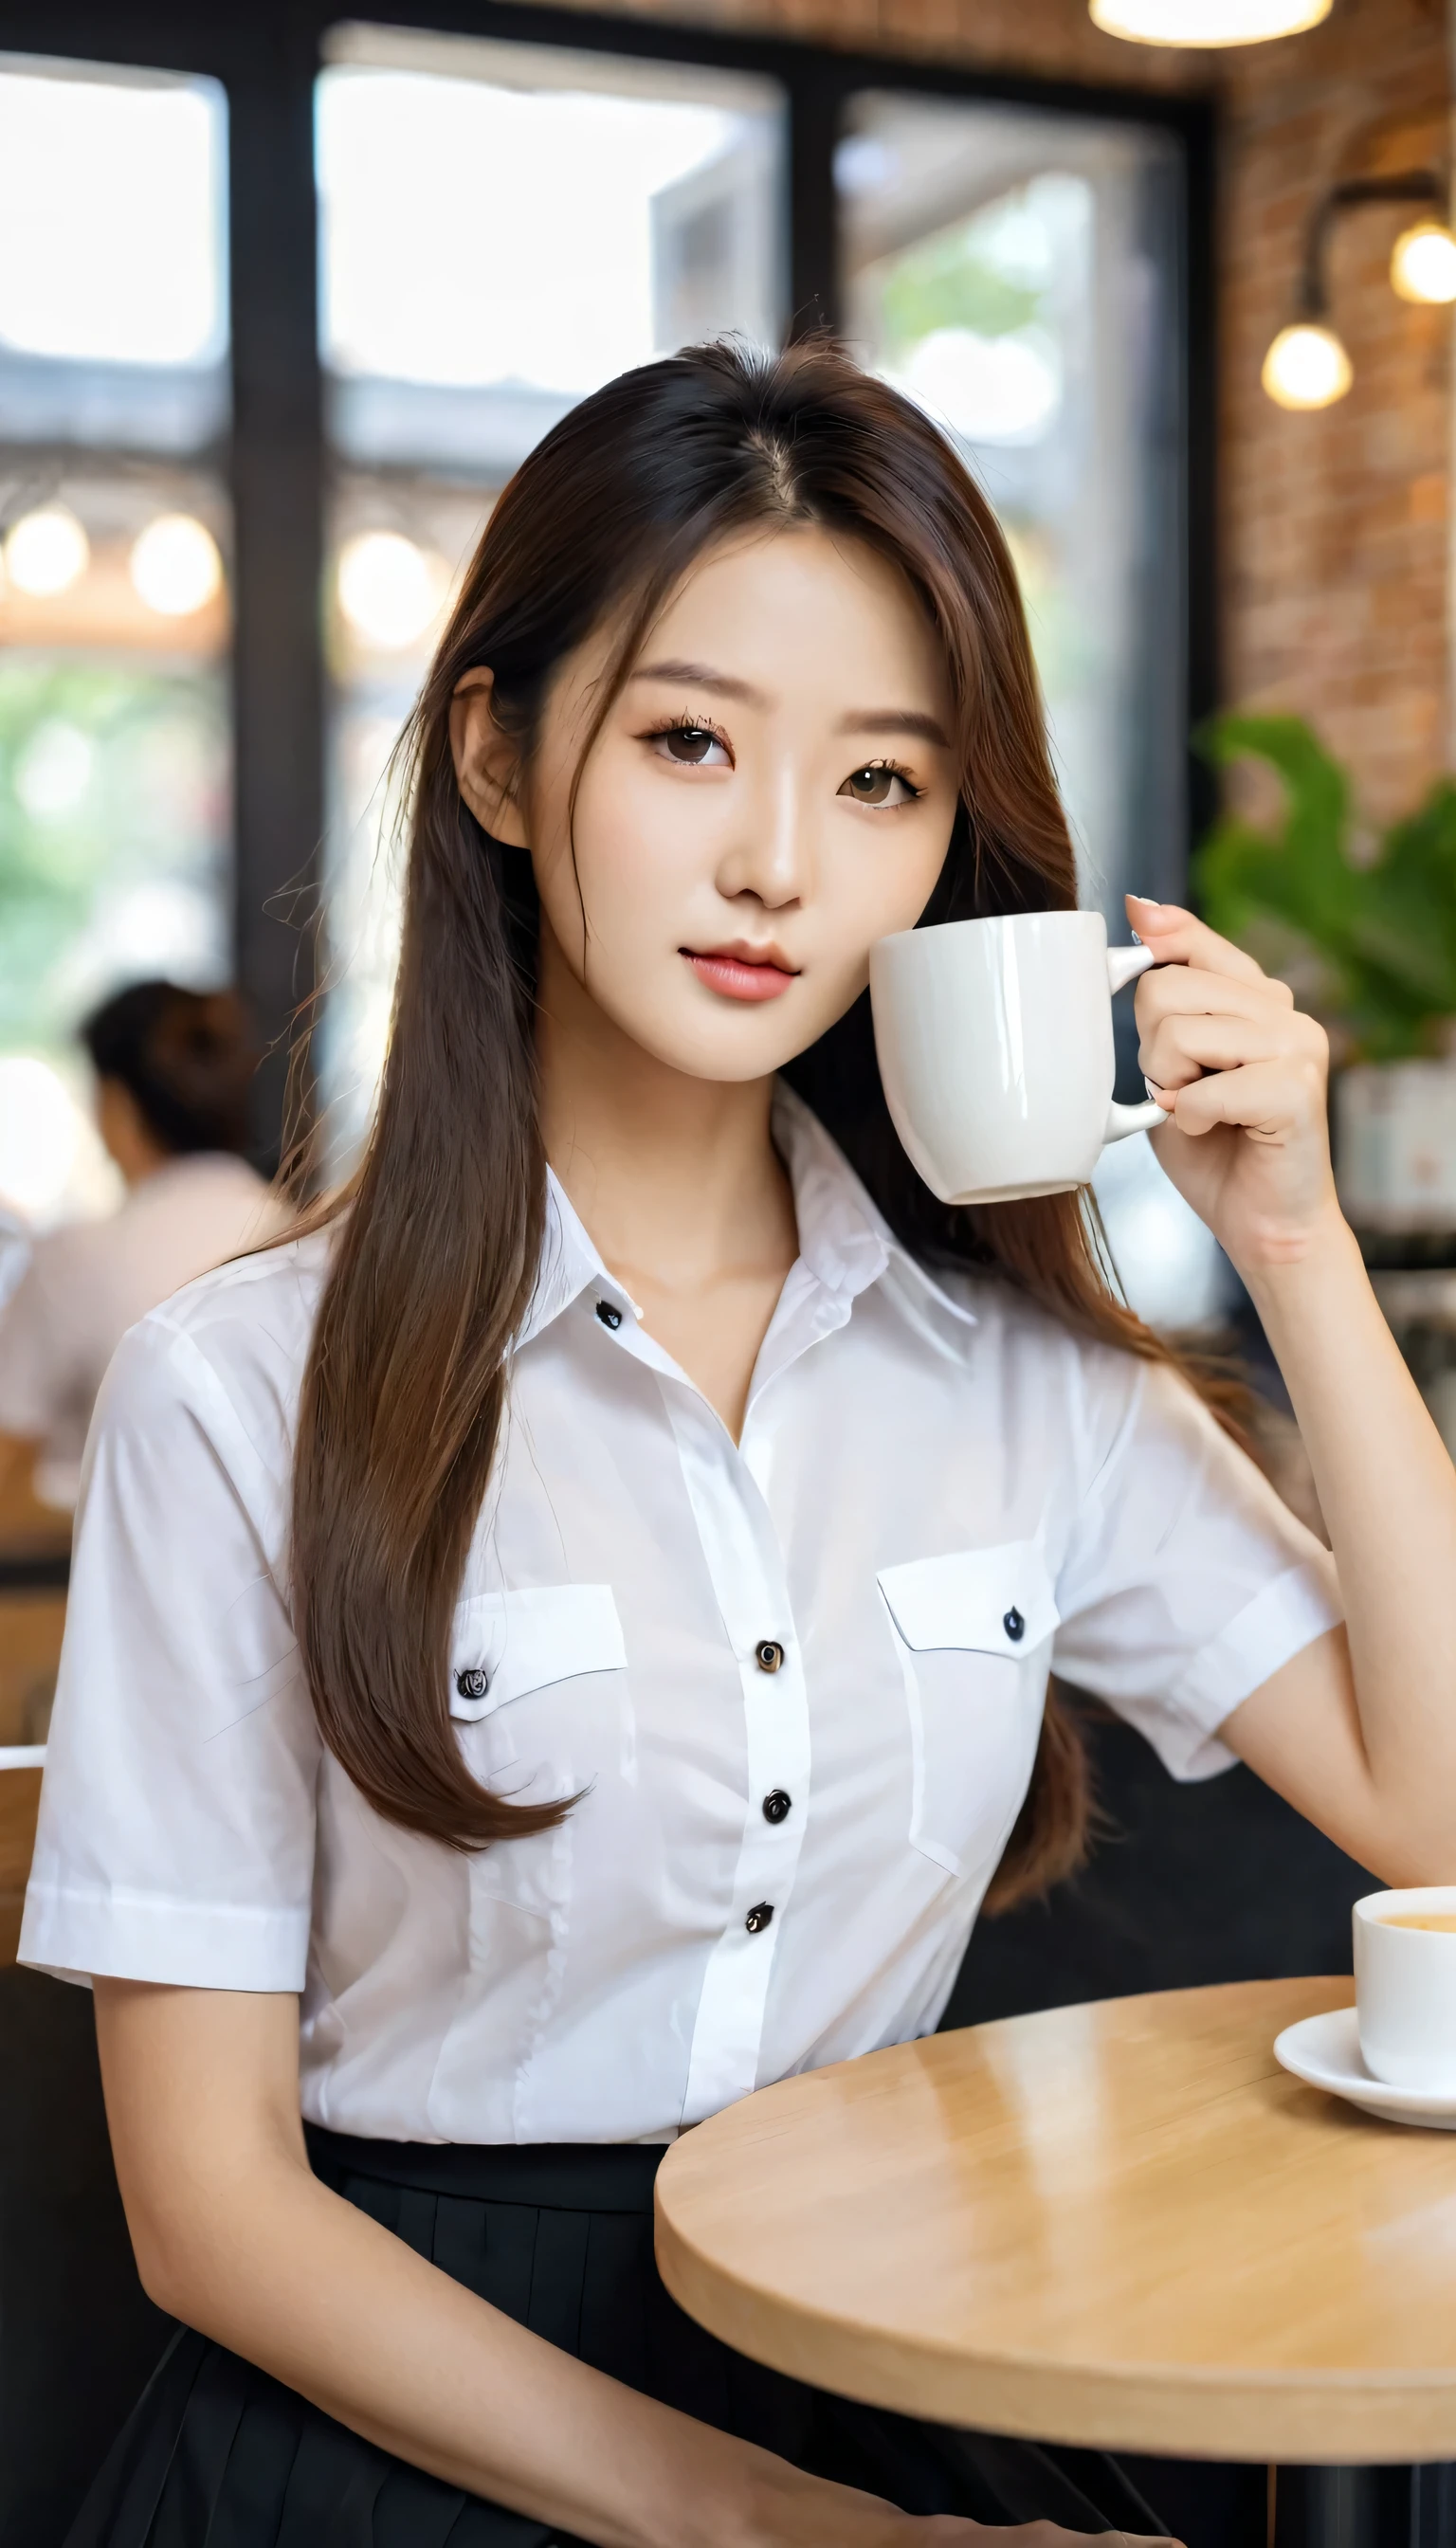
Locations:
1123 965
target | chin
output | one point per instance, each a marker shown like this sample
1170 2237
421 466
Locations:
732 1050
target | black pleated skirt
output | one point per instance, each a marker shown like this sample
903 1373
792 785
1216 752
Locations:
219 2455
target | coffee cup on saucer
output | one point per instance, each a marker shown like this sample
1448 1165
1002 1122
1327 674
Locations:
1406 1985
995 1049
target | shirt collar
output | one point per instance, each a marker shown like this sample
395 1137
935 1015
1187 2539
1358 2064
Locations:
845 1241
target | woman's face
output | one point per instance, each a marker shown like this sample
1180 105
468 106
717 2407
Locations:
772 792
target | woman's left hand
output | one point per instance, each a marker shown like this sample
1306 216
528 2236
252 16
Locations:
1243 1075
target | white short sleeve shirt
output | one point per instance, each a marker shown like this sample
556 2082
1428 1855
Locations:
799 1679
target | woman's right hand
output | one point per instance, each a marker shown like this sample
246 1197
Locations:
944 2530
795 2510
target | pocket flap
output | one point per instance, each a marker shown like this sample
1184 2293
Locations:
505 1644
997 1600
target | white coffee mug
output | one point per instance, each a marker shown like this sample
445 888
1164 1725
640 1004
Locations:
1405 1987
996 1054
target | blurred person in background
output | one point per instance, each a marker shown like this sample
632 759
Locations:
173 1073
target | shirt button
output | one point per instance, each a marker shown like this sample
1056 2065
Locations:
1014 1625
777 1805
767 1654
758 1918
473 1683
609 1315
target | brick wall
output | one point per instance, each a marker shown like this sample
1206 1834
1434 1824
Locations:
1333 537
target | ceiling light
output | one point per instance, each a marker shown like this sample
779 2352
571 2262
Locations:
1424 263
175 567
47 552
389 590
1306 366
1205 22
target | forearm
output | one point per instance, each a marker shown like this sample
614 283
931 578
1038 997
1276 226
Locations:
308 2288
1387 1489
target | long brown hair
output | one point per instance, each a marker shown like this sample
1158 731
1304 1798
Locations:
435 1256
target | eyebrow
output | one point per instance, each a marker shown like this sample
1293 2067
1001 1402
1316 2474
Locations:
703 677
706 677
912 721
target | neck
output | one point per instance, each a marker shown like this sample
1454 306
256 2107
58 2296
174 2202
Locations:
676 1178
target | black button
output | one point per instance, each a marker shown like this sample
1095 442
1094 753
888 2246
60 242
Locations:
777 1805
758 1918
1014 1625
609 1315
767 1654
473 1682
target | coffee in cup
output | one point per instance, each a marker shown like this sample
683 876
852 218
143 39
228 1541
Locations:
1406 1985
995 1049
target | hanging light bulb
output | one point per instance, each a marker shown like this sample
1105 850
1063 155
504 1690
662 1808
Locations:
1205 22
175 567
1306 366
1424 263
388 588
47 552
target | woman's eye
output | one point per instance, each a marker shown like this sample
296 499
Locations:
692 745
875 784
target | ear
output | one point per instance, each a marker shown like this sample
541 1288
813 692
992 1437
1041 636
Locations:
488 767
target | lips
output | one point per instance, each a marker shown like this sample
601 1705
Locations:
742 973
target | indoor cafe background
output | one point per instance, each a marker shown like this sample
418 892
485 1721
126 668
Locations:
500 226
286 294
285 298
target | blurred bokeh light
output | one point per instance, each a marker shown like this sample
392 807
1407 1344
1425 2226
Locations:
175 566
1306 366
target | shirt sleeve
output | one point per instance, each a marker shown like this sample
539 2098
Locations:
1187 1581
177 1812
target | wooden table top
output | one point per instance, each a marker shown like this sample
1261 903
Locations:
1121 2224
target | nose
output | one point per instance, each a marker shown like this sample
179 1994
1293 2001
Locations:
769 859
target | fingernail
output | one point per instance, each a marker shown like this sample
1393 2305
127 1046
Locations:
1154 1092
1133 934
1146 901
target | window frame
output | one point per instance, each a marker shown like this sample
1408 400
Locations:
268 54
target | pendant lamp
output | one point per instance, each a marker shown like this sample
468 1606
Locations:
1424 263
1306 366
1205 22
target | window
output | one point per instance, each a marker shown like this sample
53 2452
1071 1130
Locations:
504 227
493 225
114 614
1019 273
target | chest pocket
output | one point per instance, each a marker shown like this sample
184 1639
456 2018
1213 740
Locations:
971 1631
509 1646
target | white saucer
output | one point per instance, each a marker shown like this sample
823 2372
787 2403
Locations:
1326 2050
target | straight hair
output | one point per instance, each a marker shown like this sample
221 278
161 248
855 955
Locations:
437 1237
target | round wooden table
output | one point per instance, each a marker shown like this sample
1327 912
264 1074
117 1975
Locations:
1121 2224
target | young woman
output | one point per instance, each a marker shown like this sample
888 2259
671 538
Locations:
491 1636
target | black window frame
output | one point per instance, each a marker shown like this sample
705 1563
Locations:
266 55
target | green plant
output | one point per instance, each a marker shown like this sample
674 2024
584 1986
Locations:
1384 932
